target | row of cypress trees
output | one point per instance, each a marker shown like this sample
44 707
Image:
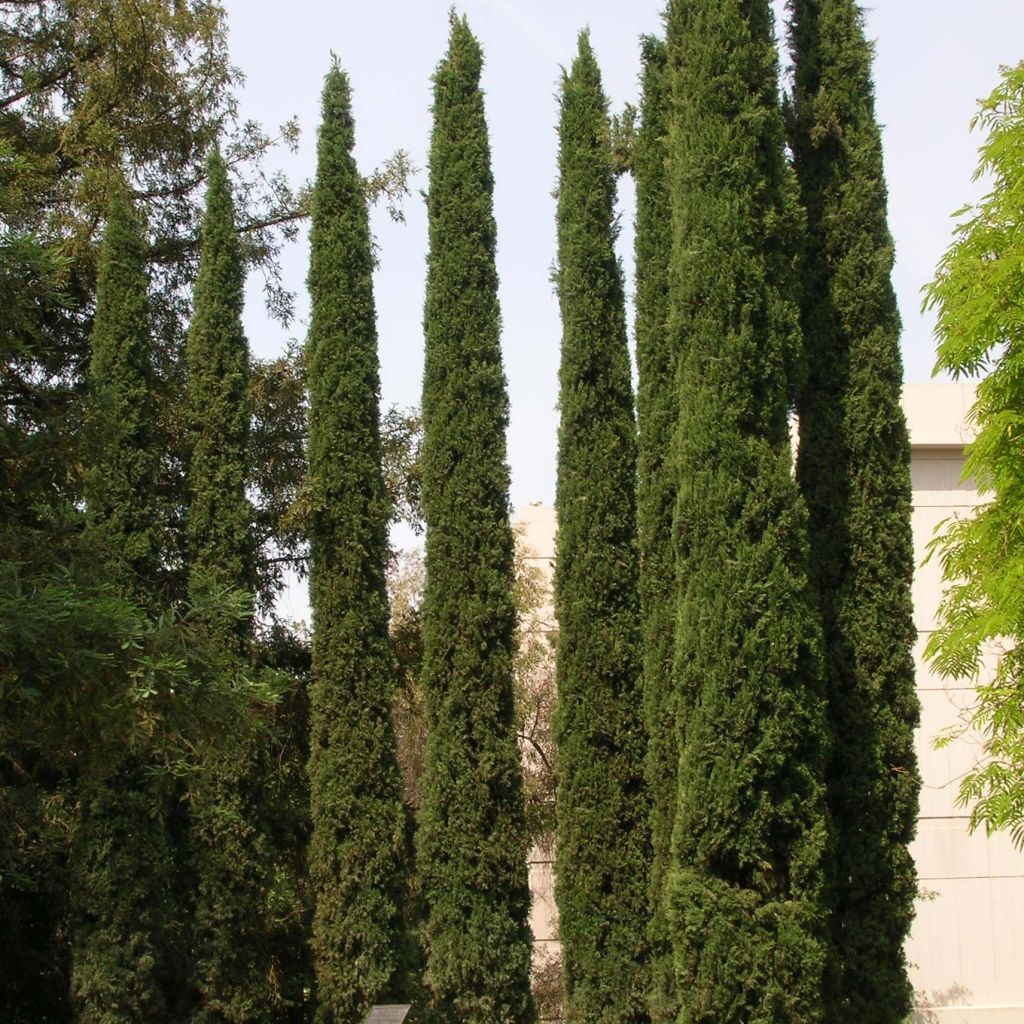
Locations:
137 953
134 957
775 623
736 777
471 894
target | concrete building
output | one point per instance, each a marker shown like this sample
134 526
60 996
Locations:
968 939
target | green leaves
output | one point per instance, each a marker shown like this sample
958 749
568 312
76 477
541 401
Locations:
978 294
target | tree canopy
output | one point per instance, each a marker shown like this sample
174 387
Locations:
978 293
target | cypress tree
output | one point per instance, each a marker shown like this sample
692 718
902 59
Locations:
472 839
121 861
657 412
602 842
854 470
120 481
356 852
228 845
746 884
220 544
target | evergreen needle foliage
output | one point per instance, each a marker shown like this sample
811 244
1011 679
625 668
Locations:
746 886
120 482
657 413
231 852
121 863
122 892
602 844
472 840
357 850
220 546
854 471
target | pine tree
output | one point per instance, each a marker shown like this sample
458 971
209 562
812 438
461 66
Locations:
854 470
602 843
227 841
746 885
472 840
657 412
356 853
121 862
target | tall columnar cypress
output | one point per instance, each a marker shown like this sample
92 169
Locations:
356 854
657 412
854 470
746 886
220 545
121 862
229 849
120 479
472 839
602 844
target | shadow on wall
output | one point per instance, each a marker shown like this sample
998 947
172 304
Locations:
928 1003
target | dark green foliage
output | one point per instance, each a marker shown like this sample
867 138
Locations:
34 811
472 840
120 482
356 855
746 885
285 804
602 844
231 855
233 864
35 434
220 548
122 876
101 666
121 865
854 470
657 411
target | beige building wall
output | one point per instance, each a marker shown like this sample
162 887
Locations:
536 538
968 940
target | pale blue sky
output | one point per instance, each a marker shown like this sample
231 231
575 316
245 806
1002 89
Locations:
934 59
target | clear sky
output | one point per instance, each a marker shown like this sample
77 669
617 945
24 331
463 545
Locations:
934 59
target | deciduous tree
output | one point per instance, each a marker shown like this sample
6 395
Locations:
978 292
